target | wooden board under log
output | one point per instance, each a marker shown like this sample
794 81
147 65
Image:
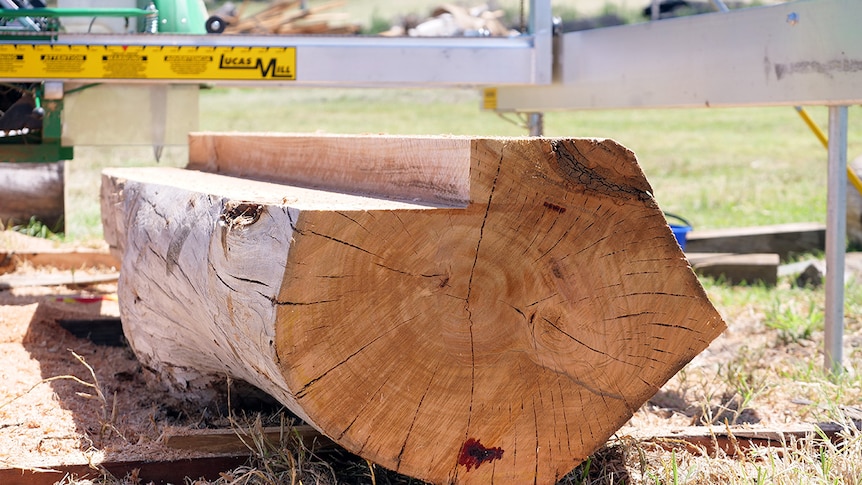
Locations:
786 240
737 268
459 310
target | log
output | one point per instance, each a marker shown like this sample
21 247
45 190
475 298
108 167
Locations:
458 310
32 190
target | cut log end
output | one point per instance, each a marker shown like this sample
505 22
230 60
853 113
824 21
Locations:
504 340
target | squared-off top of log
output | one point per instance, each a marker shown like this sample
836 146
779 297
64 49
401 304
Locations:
460 310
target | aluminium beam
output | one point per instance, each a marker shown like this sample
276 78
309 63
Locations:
797 53
836 240
319 60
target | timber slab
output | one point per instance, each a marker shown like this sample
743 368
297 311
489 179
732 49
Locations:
786 240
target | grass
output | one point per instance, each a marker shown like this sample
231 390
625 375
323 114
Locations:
36 228
716 167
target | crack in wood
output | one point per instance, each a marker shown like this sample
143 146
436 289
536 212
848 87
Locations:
536 427
362 409
249 280
575 339
632 315
469 292
276 301
175 247
306 387
553 246
218 276
415 417
342 214
565 416
339 241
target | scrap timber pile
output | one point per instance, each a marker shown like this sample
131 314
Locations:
287 17
458 310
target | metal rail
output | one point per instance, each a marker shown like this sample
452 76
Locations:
796 53
76 12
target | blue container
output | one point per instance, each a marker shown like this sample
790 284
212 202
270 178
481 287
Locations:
680 228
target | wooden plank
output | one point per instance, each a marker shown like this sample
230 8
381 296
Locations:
737 268
65 259
423 170
783 239
733 440
157 472
54 279
237 440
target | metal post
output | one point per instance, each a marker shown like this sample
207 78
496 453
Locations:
536 124
720 5
836 227
542 29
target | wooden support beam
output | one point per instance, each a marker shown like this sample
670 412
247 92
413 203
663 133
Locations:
238 440
64 259
733 440
156 472
450 308
737 268
782 239
67 278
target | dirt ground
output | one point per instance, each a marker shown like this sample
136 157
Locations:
66 400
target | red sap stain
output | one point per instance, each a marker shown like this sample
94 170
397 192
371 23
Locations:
473 454
554 207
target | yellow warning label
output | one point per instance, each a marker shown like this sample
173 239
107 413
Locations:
45 61
489 99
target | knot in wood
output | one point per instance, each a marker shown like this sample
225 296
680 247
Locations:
240 214
574 166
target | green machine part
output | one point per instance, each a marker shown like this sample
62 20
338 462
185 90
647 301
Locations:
40 146
181 17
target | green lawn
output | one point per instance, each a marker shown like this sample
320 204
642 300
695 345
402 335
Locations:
716 167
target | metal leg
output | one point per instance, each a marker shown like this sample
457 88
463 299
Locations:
836 228
536 124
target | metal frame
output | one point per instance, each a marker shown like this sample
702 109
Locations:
797 53
349 61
